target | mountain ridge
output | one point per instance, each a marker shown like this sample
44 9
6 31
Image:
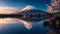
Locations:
31 10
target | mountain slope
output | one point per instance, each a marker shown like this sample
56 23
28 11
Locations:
31 10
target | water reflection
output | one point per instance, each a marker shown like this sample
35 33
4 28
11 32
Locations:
27 24
54 28
19 26
7 21
53 31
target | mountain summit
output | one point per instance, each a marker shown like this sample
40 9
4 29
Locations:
28 8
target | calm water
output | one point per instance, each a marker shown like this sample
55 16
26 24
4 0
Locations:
18 26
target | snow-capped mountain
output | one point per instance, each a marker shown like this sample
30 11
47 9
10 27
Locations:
30 10
27 8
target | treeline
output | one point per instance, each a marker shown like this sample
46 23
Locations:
26 15
37 15
10 15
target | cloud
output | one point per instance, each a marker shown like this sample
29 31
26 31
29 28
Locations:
7 10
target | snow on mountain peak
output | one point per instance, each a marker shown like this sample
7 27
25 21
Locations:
28 8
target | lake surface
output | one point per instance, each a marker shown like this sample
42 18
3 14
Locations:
19 26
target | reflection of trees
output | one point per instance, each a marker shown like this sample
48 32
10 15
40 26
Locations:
54 27
54 30
53 23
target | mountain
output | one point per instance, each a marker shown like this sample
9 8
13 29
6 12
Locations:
31 10
27 8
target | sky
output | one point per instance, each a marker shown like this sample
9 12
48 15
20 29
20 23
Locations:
14 5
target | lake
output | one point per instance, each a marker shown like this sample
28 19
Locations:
19 26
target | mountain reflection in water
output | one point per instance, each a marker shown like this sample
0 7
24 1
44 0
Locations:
5 21
27 24
19 26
